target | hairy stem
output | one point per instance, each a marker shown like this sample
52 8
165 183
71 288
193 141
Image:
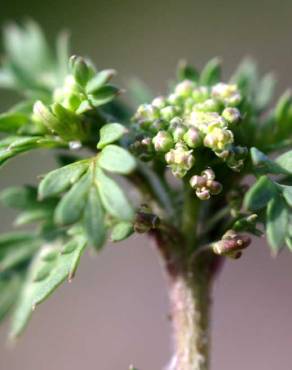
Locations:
190 302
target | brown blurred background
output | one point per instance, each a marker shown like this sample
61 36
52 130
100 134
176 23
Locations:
115 311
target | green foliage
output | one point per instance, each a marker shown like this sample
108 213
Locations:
48 270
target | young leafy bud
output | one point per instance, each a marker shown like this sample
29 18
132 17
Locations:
231 243
163 141
231 115
145 221
43 114
80 70
192 138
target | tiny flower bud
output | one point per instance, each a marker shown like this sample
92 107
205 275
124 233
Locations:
197 181
163 141
159 102
228 94
184 88
200 94
192 138
218 139
231 115
178 132
209 105
167 113
209 174
203 194
180 159
215 187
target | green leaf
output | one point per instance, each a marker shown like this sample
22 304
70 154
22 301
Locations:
211 73
121 231
16 254
12 121
265 165
12 146
113 197
94 219
71 206
80 70
260 194
116 159
287 194
288 242
47 272
16 248
104 95
187 72
9 289
246 77
98 81
61 179
34 215
20 197
285 161
265 91
110 133
283 115
62 54
277 220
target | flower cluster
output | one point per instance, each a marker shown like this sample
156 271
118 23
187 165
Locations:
190 118
205 185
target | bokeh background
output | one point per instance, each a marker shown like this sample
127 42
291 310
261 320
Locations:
115 311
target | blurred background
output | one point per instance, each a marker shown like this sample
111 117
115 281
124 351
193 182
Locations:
115 311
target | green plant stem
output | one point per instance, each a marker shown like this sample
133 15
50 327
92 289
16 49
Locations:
190 216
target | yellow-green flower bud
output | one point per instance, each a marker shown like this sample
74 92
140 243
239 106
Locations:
178 132
167 113
231 115
159 102
226 93
146 112
180 159
218 139
184 88
192 138
163 141
209 105
200 94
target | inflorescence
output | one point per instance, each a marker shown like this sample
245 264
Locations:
191 118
